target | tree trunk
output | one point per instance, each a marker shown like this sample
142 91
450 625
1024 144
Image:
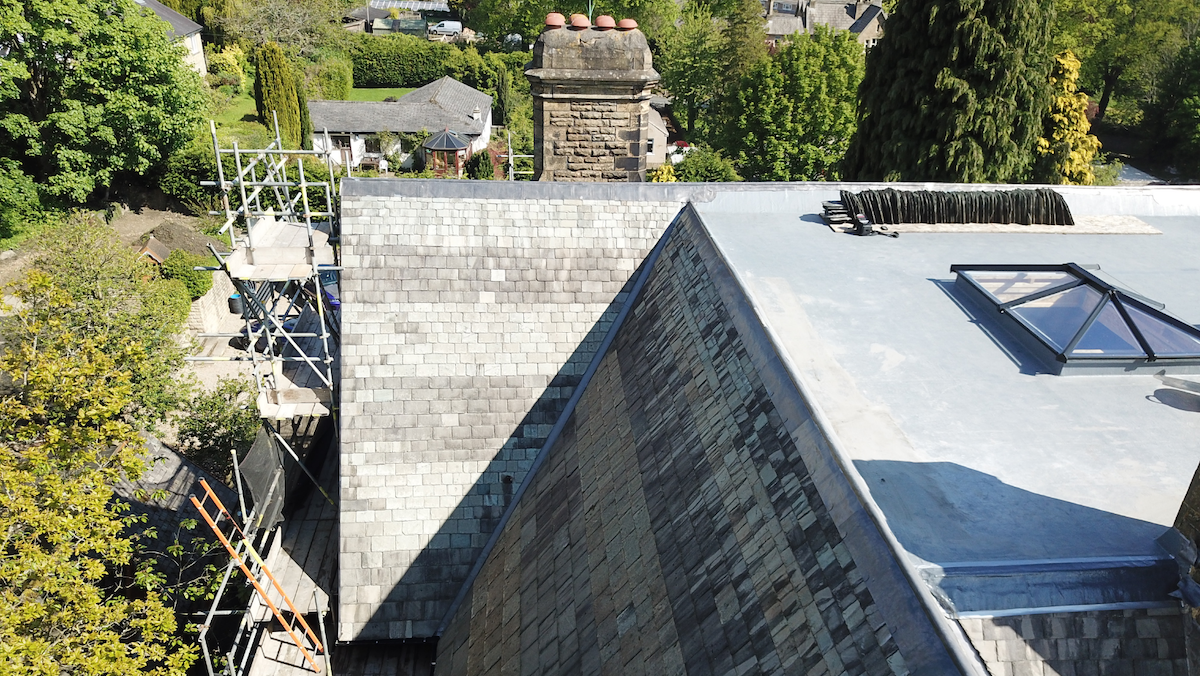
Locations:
1111 76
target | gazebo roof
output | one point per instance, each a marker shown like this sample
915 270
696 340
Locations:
445 140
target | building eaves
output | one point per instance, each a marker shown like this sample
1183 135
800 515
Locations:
181 26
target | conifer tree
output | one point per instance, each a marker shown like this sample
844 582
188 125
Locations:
956 91
306 128
1066 149
275 90
745 37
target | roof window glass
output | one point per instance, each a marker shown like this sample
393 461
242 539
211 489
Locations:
1078 321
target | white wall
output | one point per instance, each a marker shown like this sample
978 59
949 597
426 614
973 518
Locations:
195 54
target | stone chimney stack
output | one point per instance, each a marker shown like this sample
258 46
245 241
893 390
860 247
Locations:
591 100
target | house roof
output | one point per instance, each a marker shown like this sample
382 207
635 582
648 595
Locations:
181 26
368 13
442 104
840 14
413 5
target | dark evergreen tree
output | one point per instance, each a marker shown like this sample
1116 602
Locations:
955 91
275 90
306 128
745 37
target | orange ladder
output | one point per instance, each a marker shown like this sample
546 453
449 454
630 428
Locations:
212 521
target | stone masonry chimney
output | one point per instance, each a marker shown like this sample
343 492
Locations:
591 100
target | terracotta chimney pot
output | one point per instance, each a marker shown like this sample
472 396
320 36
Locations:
626 24
555 20
605 22
579 22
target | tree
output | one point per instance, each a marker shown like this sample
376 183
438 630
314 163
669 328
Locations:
298 25
91 89
690 61
704 165
71 600
306 127
1122 41
112 292
955 92
793 114
1066 149
220 420
275 92
1176 115
745 37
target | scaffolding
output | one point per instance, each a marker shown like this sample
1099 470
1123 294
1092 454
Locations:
282 226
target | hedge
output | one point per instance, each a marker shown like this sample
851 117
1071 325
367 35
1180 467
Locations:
179 266
398 60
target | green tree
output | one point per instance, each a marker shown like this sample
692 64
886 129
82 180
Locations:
745 37
1176 115
1123 42
90 89
71 602
794 114
1066 150
219 420
306 127
115 293
955 92
690 61
275 92
705 165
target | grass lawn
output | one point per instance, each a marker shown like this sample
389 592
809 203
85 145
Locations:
371 93
239 108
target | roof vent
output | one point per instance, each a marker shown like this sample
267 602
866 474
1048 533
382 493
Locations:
1077 322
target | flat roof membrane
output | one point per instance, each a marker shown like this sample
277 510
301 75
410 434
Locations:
1038 490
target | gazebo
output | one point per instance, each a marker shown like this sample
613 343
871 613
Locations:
446 151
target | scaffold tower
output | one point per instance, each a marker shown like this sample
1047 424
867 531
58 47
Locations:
280 209
282 227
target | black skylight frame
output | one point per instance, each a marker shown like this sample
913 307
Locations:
1065 358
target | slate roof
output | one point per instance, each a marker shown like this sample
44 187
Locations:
841 15
442 104
181 26
368 13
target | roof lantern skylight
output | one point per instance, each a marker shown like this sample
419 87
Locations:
1077 322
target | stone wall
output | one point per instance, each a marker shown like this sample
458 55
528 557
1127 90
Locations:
674 527
592 140
465 324
1108 642
208 310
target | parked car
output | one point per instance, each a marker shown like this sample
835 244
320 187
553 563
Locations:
453 28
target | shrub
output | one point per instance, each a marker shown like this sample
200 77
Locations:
19 201
703 165
480 167
663 174
188 166
225 68
179 266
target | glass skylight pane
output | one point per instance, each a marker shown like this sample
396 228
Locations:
1009 286
1059 317
1164 339
1108 336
